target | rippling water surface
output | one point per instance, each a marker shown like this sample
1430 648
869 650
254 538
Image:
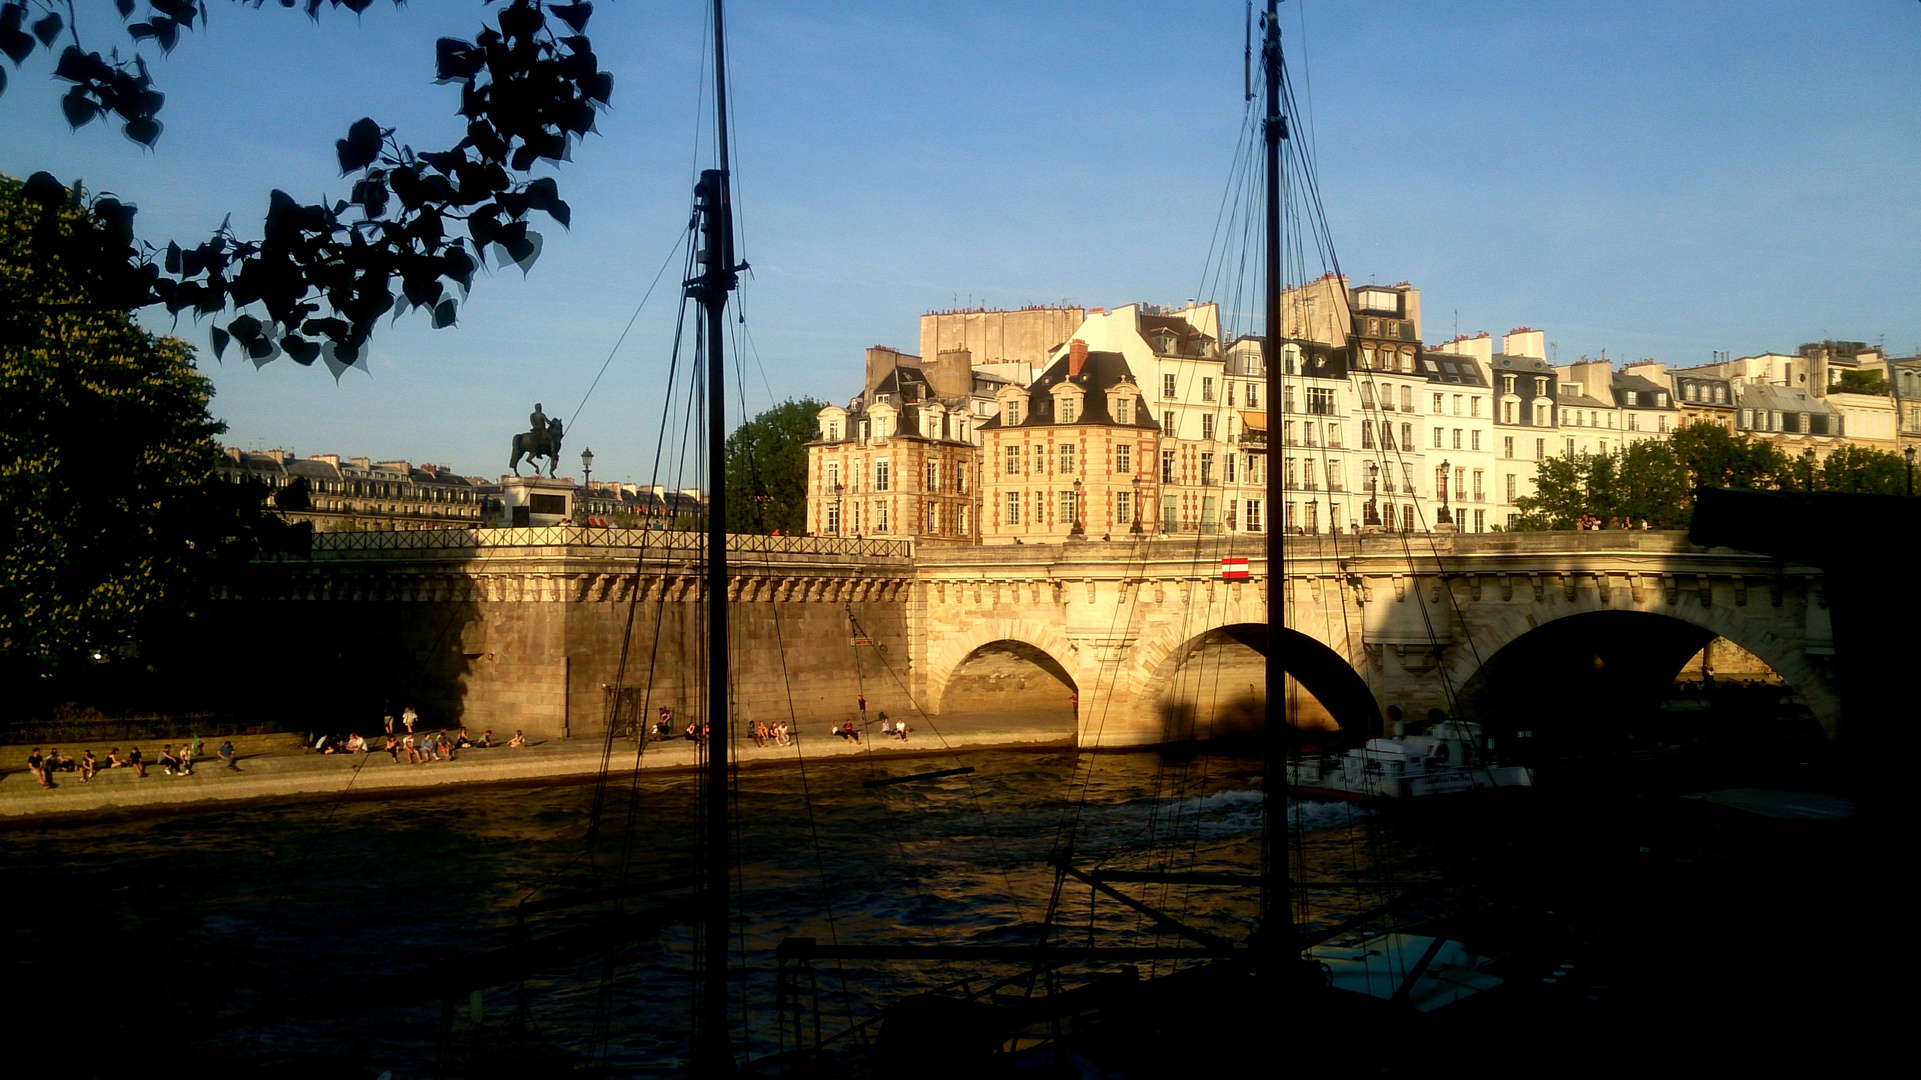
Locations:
260 933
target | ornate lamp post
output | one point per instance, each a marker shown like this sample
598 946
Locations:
587 466
1807 461
1909 454
1372 516
1444 517
586 485
1077 532
1136 530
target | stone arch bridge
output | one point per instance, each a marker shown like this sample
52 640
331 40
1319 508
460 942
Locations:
533 629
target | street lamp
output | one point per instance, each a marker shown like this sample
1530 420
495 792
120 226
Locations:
1909 454
1137 493
1373 513
587 466
1444 517
1807 460
1077 532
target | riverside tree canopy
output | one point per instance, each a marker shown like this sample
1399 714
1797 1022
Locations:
418 223
114 523
767 469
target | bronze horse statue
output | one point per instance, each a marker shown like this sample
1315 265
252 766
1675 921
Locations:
536 445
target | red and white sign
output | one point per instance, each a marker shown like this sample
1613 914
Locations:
1234 569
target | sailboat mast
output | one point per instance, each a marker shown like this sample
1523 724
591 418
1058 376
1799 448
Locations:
714 1054
1274 890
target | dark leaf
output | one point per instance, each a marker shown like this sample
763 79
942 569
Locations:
456 60
220 339
444 314
245 329
460 267
125 8
165 31
304 352
361 146
561 213
145 130
3 80
140 31
173 259
80 108
574 15
17 44
49 28
76 66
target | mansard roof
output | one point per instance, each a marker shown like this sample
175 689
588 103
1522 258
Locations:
1102 372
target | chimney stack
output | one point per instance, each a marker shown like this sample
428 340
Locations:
1076 357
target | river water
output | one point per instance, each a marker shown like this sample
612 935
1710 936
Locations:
168 930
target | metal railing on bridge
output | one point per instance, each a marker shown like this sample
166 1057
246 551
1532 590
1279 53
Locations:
595 536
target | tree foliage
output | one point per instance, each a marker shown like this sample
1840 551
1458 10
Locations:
416 227
112 518
767 469
1652 481
1862 470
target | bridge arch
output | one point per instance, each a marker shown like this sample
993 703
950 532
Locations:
1044 646
1199 705
1593 656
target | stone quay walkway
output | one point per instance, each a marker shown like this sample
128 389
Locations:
274 766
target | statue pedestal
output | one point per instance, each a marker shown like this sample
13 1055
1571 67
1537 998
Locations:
536 501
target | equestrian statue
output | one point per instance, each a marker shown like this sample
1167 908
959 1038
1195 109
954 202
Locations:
542 439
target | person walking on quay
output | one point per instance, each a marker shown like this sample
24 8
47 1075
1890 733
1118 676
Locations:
860 700
388 720
409 717
227 755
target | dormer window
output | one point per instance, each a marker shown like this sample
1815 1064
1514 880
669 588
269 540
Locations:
1067 409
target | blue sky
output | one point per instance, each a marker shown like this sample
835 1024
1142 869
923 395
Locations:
1659 180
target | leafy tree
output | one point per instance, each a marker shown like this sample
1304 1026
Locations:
323 274
767 469
113 520
1862 382
1716 458
1653 480
1864 470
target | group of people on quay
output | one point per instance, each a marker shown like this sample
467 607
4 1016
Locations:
172 762
1593 522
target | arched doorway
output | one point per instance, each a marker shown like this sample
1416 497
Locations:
1215 685
1009 683
1603 683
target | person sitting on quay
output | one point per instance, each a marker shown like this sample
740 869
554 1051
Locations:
487 739
519 741
186 759
848 732
413 749
392 747
886 727
87 766
37 765
168 763
356 744
693 732
462 742
226 754
137 763
446 745
56 763
113 759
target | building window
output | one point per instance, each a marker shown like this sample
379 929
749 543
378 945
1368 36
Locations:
1207 426
1013 461
1333 476
1540 449
1320 400
1570 450
1440 481
833 476
1457 438
1367 434
1253 396
1013 412
1437 404
1287 474
1287 433
1474 406
1067 408
1437 438
1367 395
1013 508
1477 485
1634 422
1407 399
1207 388
1253 515
833 518
1662 423
1407 436
883 475
1229 468
1387 436
1068 509
1167 386
1067 459
1507 446
1510 487
881 515
1124 457
1207 468
1540 416
1507 412
1123 411
1167 466
933 476
1167 423
1040 460
960 520
1480 521
1407 477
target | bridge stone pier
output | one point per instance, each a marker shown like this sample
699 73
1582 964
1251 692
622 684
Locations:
532 629
1416 621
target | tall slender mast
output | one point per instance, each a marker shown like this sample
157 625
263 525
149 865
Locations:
1274 891
713 1050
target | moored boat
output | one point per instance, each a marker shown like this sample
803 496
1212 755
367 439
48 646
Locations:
1451 756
